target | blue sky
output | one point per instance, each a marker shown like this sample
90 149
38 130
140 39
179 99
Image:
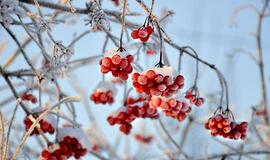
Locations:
204 25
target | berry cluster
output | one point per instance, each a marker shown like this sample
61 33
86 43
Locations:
132 110
116 2
150 52
104 93
118 64
153 83
29 97
124 119
44 125
67 148
143 139
95 148
142 33
102 97
194 99
221 125
140 107
172 107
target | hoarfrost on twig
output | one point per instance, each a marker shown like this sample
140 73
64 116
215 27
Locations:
97 17
7 9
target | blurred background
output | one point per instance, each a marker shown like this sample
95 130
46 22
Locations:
211 27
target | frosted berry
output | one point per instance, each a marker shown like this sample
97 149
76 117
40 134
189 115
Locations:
142 33
152 82
119 65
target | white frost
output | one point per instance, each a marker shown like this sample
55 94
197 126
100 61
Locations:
105 86
112 52
165 71
76 133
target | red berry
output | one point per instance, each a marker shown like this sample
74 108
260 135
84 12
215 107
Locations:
111 120
116 59
134 34
150 52
227 129
154 91
156 102
44 126
45 154
180 81
104 69
123 75
150 74
168 80
181 116
144 39
149 29
135 77
124 63
161 87
114 67
142 33
199 102
130 58
159 78
142 79
128 69
106 62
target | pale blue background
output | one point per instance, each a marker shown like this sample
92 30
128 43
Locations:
205 26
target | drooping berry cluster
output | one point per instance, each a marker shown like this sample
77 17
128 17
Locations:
143 139
140 107
142 33
171 106
116 2
194 99
221 125
118 63
150 52
44 125
29 97
156 82
104 93
133 109
95 148
68 147
102 97
122 118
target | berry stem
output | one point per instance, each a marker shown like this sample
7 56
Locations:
197 66
180 61
5 76
151 11
123 24
172 140
160 63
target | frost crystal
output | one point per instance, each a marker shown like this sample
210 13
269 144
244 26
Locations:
97 17
58 64
43 24
7 8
